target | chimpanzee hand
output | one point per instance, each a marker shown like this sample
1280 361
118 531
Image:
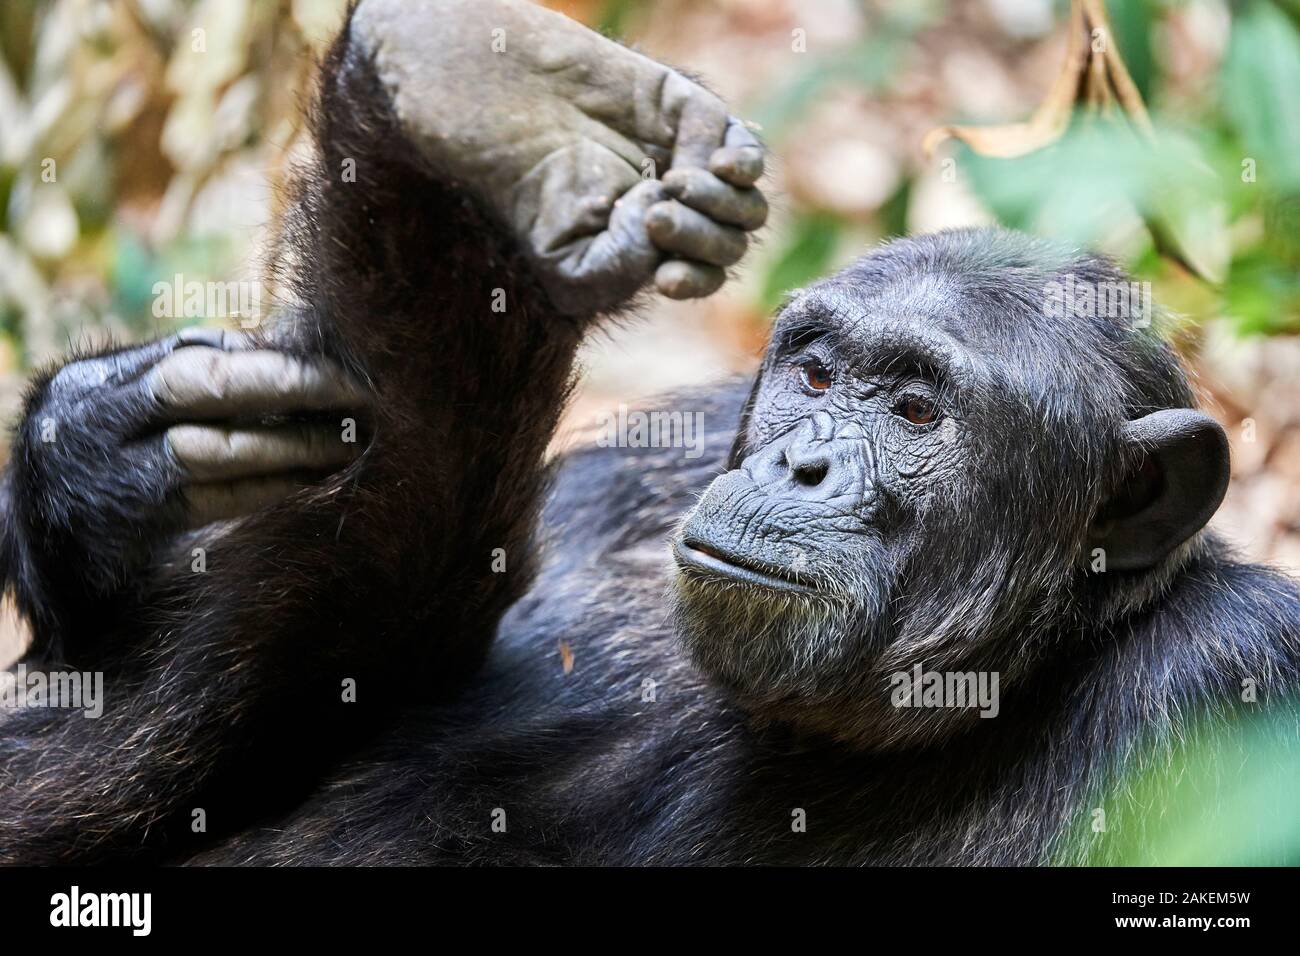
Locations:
562 132
120 452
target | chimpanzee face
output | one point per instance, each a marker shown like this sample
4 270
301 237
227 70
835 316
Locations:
928 466
853 458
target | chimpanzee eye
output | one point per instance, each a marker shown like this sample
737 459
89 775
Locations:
917 410
815 375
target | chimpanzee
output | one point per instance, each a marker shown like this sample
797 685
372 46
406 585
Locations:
941 586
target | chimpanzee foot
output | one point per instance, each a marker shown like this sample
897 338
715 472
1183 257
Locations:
564 134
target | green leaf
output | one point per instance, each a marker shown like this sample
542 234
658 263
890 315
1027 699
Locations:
1131 21
806 257
1228 798
893 213
1072 188
1262 295
1260 86
615 16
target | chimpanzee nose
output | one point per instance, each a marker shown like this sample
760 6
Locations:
814 461
809 464
809 455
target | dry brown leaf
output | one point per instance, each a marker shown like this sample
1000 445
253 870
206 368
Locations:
1093 75
1050 119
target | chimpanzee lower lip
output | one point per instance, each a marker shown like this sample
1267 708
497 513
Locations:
708 559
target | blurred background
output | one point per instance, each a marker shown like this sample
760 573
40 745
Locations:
140 139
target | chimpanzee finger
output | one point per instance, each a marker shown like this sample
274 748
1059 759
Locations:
129 363
593 272
739 160
214 453
701 190
84 378
681 231
205 383
701 124
679 279
224 501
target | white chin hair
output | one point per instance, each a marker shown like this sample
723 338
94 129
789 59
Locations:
757 638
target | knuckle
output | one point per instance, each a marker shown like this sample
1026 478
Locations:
158 384
660 220
179 444
173 466
62 384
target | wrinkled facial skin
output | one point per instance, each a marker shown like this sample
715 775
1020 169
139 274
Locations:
908 488
925 470
792 565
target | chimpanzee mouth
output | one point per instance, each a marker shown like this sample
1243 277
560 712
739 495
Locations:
707 559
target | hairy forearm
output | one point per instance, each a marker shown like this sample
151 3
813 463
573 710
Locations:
213 673
413 282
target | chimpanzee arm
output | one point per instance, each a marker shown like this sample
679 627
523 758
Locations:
475 203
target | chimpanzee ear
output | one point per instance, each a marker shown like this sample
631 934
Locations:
739 445
1179 485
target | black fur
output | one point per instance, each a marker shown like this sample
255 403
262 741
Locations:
224 687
